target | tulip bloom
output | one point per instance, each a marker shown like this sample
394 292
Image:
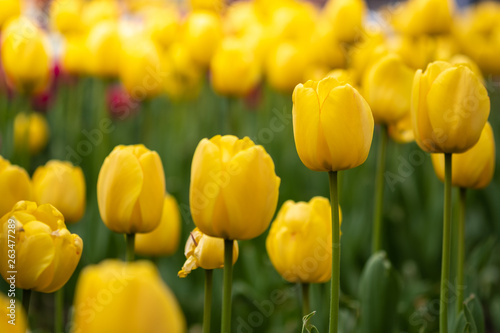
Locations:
387 88
205 252
450 107
332 125
125 297
46 252
164 240
130 190
346 18
418 17
15 185
202 35
62 185
474 168
104 45
25 56
31 132
65 16
286 64
299 243
234 188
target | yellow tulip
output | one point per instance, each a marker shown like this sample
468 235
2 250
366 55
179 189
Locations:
234 188
25 56
324 46
332 125
343 76
130 190
387 88
365 53
205 252
243 74
65 16
460 59
346 18
202 35
114 297
15 185
293 21
30 131
213 5
475 167
75 55
286 65
450 107
299 243
140 68
63 186
402 130
104 45
46 253
13 316
97 11
10 8
163 25
418 17
164 240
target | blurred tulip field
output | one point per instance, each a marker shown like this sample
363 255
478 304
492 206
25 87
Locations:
84 83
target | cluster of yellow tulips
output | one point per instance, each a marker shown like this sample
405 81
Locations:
96 111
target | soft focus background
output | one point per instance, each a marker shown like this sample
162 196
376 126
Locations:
172 122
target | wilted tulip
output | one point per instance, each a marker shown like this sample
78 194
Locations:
31 132
332 125
205 252
475 167
164 240
234 189
450 107
202 33
286 64
14 318
46 252
118 297
299 243
387 88
104 45
25 56
243 74
418 17
131 189
63 186
15 185
10 8
346 18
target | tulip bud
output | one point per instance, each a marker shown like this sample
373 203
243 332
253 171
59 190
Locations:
346 18
63 186
234 189
10 8
97 11
163 25
450 107
332 125
46 252
104 45
25 56
76 55
387 88
31 132
299 243
125 297
418 17
15 185
205 252
130 189
286 64
243 74
65 16
164 240
202 35
13 316
475 167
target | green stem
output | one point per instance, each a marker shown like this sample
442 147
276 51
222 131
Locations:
445 261
461 250
59 316
130 247
226 295
207 310
26 301
306 309
379 191
335 288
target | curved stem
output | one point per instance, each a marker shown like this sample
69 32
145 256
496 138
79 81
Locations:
130 247
306 309
335 287
207 310
227 287
445 261
26 300
379 191
461 250
59 313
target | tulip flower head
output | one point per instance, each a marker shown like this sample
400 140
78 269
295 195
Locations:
15 185
332 125
450 107
130 190
31 132
299 243
234 189
46 252
205 252
202 33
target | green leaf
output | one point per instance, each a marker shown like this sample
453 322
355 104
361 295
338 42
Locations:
471 318
308 327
